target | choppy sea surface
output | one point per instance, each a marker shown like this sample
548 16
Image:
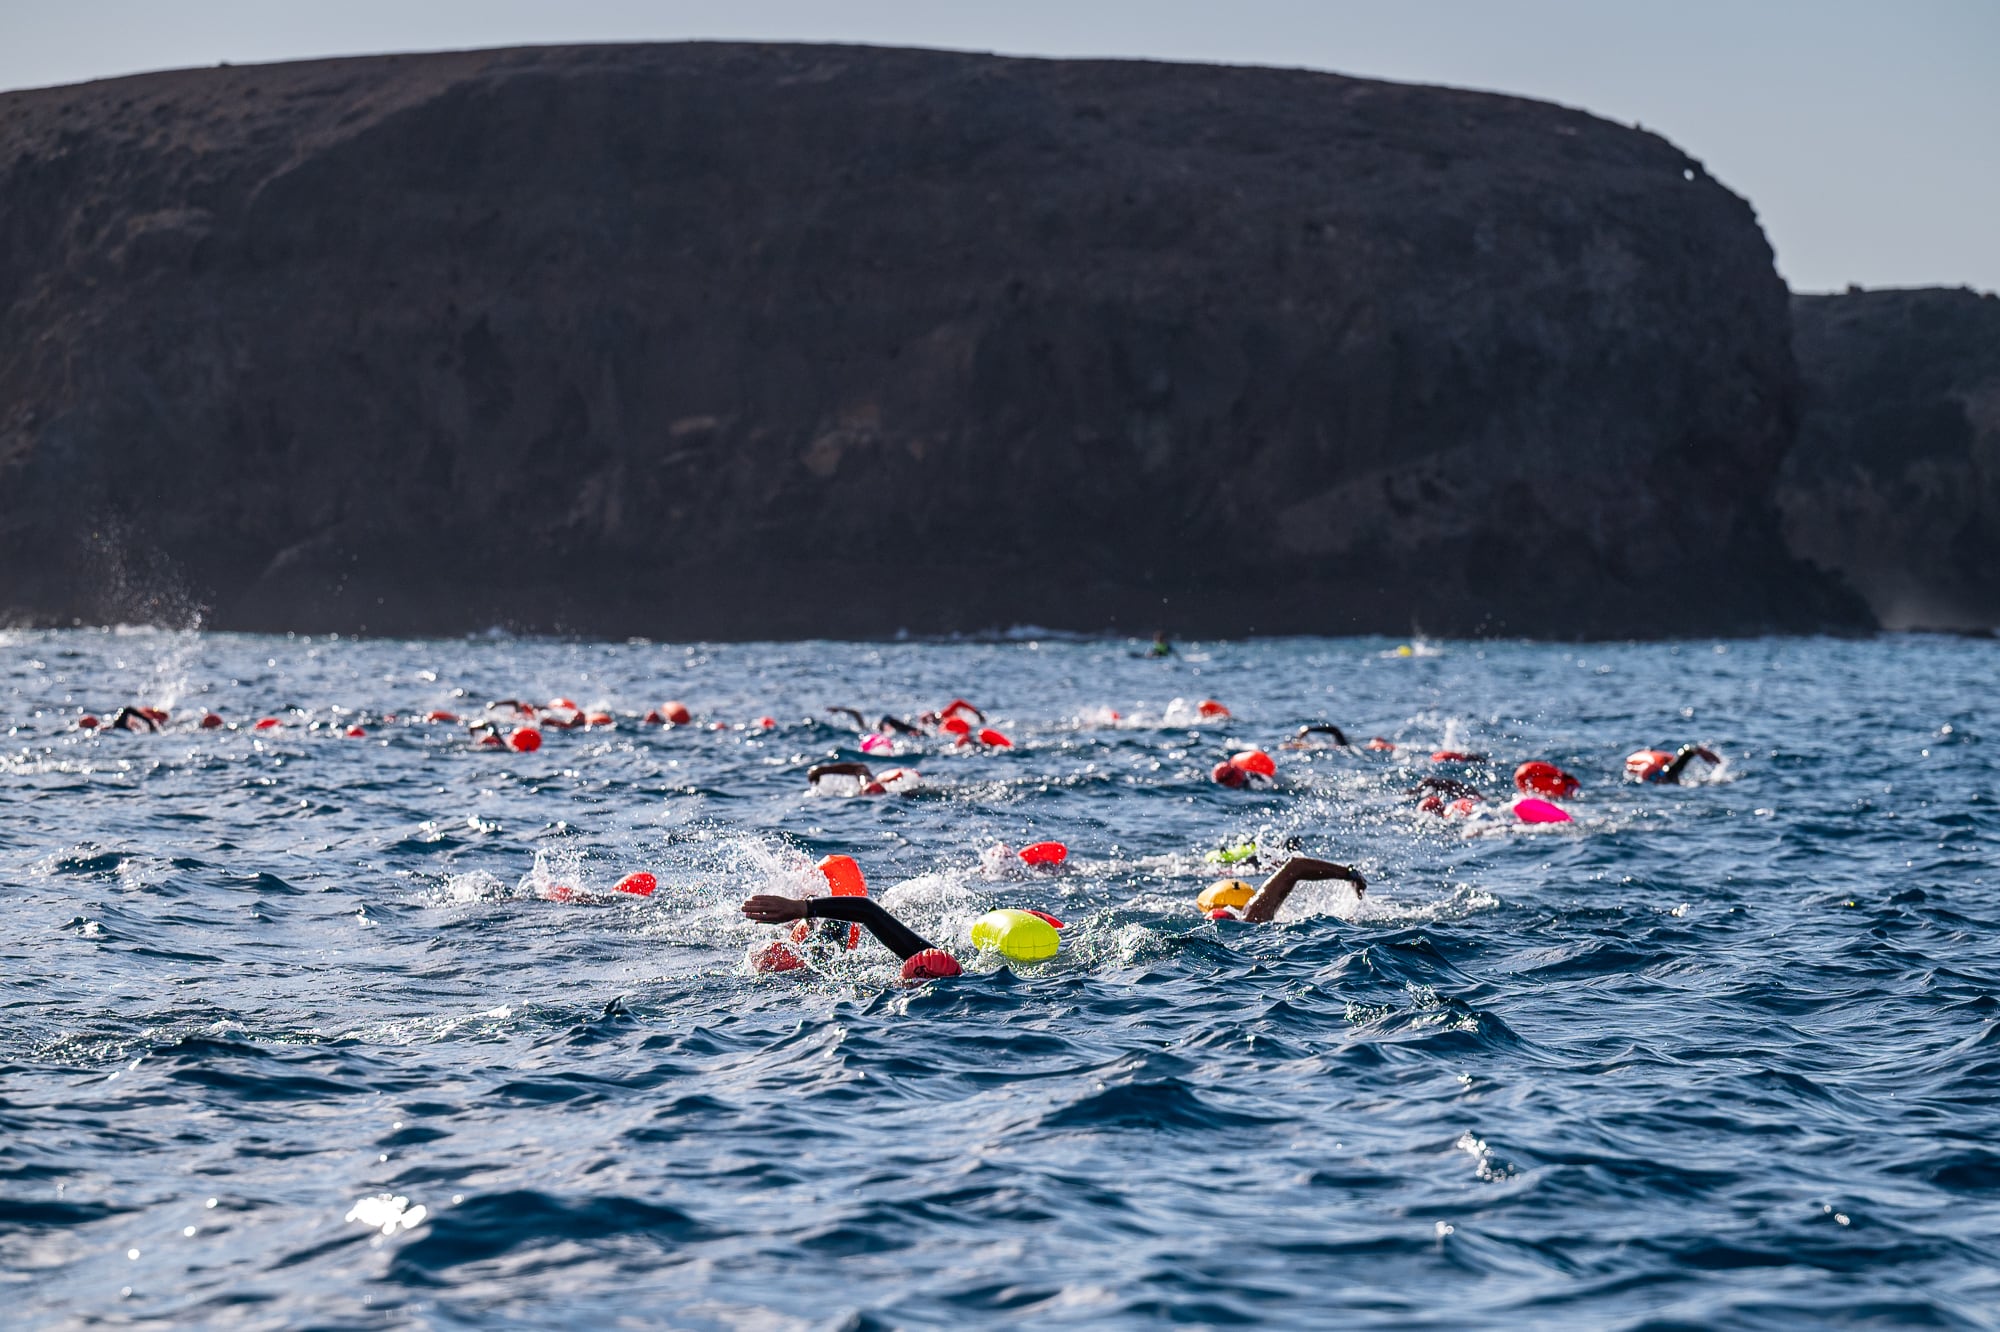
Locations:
292 1032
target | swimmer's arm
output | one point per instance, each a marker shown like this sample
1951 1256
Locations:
896 724
819 770
1299 869
958 703
1325 728
855 713
1687 755
897 937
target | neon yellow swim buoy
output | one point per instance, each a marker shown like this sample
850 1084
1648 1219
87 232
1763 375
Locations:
1227 893
1016 935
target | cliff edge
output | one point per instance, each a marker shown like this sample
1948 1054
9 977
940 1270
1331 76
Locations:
735 341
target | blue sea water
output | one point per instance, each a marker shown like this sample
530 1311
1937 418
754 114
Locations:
291 1033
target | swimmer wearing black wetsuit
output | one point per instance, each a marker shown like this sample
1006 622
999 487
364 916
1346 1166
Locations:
886 726
1299 869
897 937
1304 738
861 772
132 719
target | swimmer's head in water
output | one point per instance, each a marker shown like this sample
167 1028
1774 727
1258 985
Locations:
1228 774
931 964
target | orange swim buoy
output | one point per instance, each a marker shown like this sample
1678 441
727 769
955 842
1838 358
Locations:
675 711
1255 762
525 740
843 876
993 739
638 883
1212 708
1547 779
1044 853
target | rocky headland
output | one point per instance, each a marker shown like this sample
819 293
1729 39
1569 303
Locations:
1895 479
736 341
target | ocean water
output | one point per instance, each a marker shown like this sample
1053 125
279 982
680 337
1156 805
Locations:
292 1032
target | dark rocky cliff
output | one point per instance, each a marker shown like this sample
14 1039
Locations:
1895 480
746 340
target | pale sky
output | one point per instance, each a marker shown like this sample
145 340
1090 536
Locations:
1866 134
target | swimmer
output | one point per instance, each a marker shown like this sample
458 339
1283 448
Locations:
1656 765
1295 871
861 772
922 960
132 719
949 710
1305 739
1161 647
886 726
1444 786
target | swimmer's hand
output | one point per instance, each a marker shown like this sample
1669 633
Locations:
774 910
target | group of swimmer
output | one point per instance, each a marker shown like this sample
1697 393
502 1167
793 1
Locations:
1020 935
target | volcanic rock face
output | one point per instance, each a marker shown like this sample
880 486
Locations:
740 340
1895 480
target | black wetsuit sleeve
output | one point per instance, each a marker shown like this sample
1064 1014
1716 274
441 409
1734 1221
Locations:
897 937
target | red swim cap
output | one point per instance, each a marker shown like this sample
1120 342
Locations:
1255 762
268 724
356 733
638 883
526 740
1228 774
210 721
1456 756
931 964
87 723
990 737
1544 779
958 726
676 712
1045 853
1211 708
774 956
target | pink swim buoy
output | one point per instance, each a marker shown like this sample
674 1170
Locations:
1531 810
